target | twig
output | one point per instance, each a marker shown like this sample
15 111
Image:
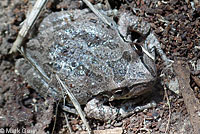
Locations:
197 47
75 103
28 24
54 125
34 64
187 1
196 2
68 125
101 16
167 128
147 53
144 127
66 117
196 80
116 130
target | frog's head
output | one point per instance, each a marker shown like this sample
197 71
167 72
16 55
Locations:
132 92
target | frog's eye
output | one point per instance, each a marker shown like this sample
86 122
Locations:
121 92
118 92
116 95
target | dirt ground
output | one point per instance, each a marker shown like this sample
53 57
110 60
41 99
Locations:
176 25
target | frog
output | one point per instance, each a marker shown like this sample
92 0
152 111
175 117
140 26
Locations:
97 62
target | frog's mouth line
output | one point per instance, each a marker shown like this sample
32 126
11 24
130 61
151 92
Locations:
118 93
127 92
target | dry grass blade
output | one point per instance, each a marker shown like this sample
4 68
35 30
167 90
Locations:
75 103
148 54
168 102
107 131
28 24
67 122
55 119
34 64
196 80
101 16
196 2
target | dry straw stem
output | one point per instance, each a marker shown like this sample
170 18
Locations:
67 122
118 130
168 103
196 2
28 24
75 103
101 16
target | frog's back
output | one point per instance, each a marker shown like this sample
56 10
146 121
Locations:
88 56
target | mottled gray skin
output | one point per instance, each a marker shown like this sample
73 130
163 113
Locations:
90 57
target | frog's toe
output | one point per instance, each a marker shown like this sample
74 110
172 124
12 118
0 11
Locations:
96 109
129 109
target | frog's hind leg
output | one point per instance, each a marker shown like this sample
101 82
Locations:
129 108
96 109
153 45
27 71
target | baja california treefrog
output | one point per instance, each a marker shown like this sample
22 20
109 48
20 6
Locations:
91 58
